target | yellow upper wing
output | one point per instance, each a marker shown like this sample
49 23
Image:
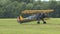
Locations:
36 11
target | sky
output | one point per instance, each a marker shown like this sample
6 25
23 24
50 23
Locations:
42 0
57 0
46 0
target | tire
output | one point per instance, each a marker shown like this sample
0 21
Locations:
38 22
44 22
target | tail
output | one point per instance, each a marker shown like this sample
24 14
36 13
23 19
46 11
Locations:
19 19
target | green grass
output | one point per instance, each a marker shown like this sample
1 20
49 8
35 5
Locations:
10 26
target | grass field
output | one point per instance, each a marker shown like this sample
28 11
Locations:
10 26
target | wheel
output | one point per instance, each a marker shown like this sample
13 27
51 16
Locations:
44 22
38 22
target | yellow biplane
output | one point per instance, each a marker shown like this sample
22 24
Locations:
35 15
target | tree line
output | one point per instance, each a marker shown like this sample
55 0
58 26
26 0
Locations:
13 8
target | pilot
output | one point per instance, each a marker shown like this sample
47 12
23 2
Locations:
41 16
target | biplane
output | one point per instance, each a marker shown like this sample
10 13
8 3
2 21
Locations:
35 15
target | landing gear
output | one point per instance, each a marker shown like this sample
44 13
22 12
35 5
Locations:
38 22
44 22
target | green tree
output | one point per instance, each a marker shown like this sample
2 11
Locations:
29 6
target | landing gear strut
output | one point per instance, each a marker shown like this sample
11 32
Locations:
38 22
44 22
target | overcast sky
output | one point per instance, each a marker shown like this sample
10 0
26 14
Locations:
46 0
57 0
